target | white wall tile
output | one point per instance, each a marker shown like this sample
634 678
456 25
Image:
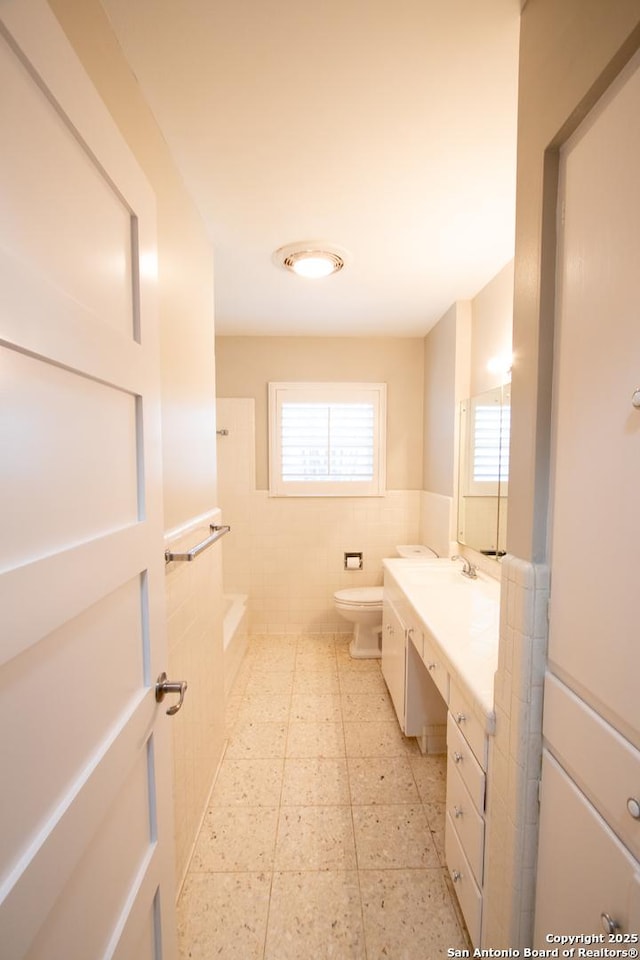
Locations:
515 752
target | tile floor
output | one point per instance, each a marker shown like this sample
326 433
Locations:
324 837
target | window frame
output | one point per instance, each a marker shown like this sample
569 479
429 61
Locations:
327 392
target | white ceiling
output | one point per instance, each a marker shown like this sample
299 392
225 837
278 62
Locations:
388 129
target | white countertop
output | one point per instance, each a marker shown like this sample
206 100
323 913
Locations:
462 616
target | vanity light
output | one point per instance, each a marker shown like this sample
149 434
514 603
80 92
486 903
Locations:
310 259
501 364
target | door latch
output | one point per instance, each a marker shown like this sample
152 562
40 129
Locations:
164 686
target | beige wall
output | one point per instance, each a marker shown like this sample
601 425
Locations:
185 295
491 330
569 53
245 365
446 380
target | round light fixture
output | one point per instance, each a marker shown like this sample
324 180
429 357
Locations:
310 259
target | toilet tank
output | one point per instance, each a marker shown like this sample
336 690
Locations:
415 551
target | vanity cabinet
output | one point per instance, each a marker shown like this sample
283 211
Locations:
467 751
439 656
393 657
417 701
433 661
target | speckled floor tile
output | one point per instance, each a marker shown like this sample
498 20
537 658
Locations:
408 915
320 793
315 838
274 661
436 815
223 915
367 706
315 915
264 709
315 782
431 777
319 666
257 739
248 783
316 641
382 780
319 706
374 739
357 681
236 839
315 739
310 654
395 836
315 683
265 683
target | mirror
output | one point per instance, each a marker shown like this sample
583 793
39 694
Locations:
483 471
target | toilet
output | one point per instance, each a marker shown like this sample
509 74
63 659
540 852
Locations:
362 606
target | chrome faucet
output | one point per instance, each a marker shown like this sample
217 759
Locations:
468 569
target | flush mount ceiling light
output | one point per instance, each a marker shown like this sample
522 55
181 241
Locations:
311 259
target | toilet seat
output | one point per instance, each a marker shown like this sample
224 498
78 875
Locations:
360 596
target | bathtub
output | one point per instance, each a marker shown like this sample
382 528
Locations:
235 635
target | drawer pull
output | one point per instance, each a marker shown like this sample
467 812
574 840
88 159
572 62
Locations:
633 806
460 718
457 812
456 876
609 925
389 628
431 666
457 757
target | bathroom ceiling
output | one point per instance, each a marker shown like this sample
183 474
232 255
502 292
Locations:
388 129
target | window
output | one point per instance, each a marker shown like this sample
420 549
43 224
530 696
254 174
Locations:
327 439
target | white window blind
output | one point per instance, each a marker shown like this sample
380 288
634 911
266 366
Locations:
491 443
326 439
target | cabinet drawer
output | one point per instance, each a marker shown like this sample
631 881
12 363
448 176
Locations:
461 756
603 764
584 872
437 670
466 888
469 723
466 820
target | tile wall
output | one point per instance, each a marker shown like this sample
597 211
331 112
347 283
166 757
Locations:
194 622
515 756
288 554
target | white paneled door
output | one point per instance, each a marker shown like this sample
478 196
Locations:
86 861
595 595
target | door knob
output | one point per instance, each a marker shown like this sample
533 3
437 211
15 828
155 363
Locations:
164 686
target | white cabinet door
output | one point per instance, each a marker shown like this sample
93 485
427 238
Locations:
584 873
595 590
394 659
85 820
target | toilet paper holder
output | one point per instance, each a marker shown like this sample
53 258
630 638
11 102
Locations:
353 561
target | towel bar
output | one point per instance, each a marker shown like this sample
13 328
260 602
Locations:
216 533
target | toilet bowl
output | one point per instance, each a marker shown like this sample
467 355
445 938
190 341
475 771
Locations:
362 606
